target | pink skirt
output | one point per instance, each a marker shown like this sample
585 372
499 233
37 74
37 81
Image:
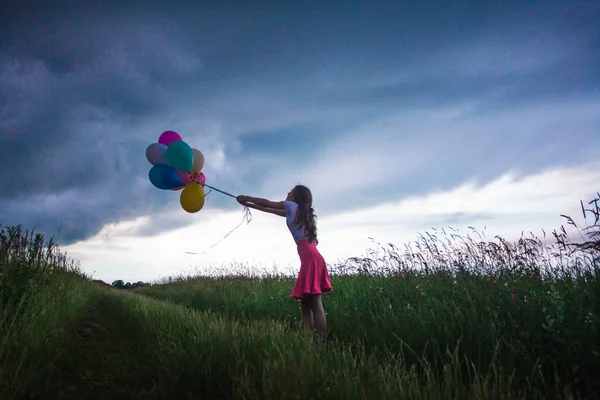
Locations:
313 277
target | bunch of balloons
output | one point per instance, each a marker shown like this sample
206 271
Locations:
176 166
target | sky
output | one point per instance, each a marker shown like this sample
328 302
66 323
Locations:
400 117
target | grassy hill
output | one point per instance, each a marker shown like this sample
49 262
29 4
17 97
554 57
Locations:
456 318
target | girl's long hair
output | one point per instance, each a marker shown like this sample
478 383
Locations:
305 216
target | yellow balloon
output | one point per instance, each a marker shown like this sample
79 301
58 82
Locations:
198 161
192 197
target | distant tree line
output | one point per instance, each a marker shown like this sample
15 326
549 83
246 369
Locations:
119 284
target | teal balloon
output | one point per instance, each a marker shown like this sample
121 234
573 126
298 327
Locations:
180 156
165 177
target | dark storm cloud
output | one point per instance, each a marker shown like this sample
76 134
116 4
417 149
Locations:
74 104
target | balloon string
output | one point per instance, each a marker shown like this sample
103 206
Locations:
246 218
219 190
205 196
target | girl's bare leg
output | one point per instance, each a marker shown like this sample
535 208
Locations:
308 324
319 319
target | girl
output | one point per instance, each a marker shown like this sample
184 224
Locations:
313 277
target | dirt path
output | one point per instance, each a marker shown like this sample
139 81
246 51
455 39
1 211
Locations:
102 358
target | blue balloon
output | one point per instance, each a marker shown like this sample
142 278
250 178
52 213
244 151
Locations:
165 177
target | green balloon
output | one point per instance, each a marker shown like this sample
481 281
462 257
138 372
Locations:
180 156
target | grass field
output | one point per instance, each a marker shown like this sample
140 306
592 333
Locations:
452 316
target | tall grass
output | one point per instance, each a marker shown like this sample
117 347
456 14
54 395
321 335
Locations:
526 312
449 316
42 292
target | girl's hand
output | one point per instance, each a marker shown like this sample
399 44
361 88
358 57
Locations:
242 199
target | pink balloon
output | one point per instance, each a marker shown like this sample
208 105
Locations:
185 177
200 178
168 137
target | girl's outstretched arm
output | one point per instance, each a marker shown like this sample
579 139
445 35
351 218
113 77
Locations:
278 205
275 211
